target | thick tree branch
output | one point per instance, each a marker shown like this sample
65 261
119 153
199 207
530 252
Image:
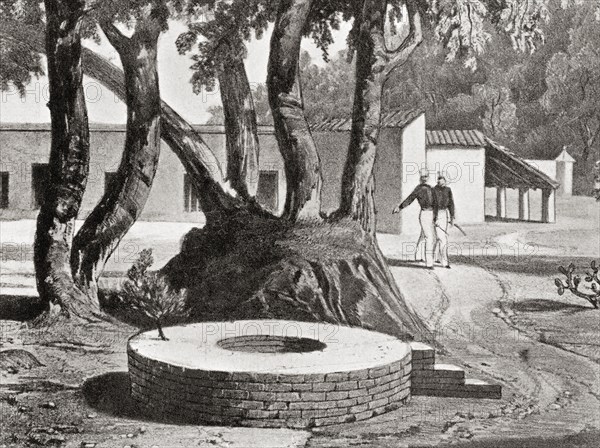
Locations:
241 129
302 164
397 57
122 203
118 40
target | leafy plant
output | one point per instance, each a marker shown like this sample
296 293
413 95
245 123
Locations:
574 282
149 293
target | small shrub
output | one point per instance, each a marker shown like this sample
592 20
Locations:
573 283
149 293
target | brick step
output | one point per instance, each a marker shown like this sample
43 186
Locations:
423 356
445 380
442 374
472 388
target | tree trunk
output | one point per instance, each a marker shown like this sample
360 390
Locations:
357 194
241 130
374 64
69 165
161 333
302 164
124 201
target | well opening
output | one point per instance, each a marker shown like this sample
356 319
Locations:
271 344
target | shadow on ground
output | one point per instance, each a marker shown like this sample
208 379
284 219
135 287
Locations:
543 305
406 263
110 393
524 264
19 307
586 439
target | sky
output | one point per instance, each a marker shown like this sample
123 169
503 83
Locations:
174 75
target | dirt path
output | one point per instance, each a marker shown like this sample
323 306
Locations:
548 392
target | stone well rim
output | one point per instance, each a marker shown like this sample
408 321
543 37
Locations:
196 347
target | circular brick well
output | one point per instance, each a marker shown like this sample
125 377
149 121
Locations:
268 373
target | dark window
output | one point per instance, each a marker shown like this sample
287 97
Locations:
40 174
268 190
190 198
3 189
109 181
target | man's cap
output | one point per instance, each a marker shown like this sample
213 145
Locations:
424 172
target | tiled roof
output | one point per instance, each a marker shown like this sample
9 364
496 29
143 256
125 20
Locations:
465 138
391 119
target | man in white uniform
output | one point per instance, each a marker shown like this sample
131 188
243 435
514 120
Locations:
443 217
424 195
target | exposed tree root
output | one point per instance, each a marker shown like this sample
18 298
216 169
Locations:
17 359
260 267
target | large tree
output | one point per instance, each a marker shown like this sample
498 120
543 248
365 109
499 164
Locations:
246 262
305 265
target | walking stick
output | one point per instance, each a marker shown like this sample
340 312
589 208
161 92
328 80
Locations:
461 230
455 225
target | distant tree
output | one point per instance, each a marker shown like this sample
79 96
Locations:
499 112
573 80
327 90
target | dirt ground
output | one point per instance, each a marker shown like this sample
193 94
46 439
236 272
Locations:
496 313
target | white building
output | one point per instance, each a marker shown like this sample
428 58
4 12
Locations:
559 168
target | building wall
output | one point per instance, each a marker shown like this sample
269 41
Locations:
413 158
389 174
464 169
560 171
548 167
564 176
401 155
332 147
23 146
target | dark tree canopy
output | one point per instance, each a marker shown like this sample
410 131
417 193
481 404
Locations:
18 65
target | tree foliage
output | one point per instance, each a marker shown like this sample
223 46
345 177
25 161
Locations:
19 65
573 82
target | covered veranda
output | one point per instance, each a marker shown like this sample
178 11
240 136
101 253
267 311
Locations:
505 170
